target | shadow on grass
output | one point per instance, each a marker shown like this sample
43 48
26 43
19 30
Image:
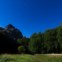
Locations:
8 60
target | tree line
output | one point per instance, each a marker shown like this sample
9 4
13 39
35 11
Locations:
48 42
39 43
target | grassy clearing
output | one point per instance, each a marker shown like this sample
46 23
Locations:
31 58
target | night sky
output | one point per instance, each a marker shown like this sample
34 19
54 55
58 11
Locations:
31 16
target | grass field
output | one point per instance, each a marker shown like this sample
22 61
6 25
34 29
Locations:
31 58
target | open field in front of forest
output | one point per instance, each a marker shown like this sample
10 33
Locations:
31 58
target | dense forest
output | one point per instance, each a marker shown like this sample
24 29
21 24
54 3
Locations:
12 41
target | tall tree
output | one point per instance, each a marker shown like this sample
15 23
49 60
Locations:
59 38
36 44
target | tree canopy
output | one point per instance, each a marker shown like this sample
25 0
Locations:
12 41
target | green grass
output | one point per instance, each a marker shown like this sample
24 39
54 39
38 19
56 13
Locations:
30 58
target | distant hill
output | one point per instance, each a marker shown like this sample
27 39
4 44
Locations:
11 32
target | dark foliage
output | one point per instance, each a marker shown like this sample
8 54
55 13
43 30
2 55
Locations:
8 39
12 41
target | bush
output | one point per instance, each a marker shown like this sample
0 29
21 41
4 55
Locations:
21 49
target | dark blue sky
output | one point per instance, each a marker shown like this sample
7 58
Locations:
31 15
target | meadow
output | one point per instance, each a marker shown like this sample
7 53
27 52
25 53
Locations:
31 58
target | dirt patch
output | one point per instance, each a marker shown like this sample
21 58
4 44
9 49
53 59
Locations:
56 55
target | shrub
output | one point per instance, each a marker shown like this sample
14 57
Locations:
21 49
